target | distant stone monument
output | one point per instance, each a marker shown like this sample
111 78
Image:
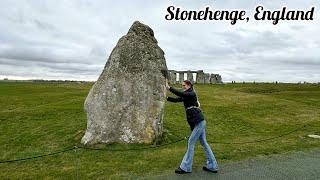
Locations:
201 77
125 104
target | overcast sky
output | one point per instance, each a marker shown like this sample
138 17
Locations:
72 39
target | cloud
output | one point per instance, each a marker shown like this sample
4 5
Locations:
73 39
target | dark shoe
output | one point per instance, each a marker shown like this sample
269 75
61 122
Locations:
209 170
180 171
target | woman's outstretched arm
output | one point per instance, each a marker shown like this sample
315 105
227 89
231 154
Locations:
181 93
171 99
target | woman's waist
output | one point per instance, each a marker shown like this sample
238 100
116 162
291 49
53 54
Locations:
191 107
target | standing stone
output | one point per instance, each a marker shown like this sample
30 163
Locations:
213 79
206 78
200 77
219 79
181 77
190 76
173 77
125 104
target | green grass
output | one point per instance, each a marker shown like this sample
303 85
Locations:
38 118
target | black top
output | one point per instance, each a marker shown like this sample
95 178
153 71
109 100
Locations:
189 98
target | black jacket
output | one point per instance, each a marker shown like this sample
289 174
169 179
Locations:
189 98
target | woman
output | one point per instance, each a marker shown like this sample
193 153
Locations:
197 125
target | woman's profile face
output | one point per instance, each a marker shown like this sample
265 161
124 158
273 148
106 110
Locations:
185 86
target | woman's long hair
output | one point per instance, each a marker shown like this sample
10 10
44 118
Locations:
190 84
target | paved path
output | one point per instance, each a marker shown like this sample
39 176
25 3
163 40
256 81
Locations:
299 165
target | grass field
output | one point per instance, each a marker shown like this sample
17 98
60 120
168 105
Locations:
39 118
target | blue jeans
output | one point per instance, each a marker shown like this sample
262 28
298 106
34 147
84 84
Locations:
198 133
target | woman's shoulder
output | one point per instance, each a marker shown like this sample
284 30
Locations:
191 92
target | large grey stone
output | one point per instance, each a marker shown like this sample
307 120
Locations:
126 103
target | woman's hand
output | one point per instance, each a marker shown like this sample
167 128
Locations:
165 91
167 85
166 88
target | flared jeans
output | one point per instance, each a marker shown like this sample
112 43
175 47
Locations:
198 133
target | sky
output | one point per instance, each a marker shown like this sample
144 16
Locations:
72 39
